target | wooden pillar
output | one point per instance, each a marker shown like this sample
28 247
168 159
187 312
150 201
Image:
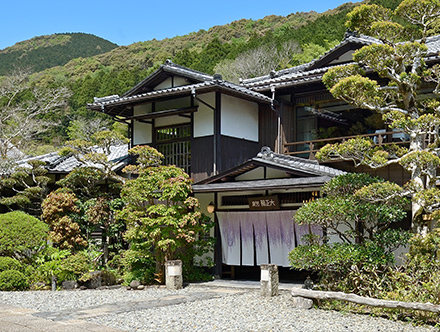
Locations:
218 270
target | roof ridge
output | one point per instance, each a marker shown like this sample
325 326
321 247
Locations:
312 165
188 87
170 64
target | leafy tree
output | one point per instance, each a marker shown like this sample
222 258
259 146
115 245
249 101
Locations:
96 169
83 128
185 57
24 187
368 242
60 212
9 263
258 61
211 54
346 210
21 235
100 212
52 50
360 268
402 71
160 213
311 51
23 108
97 187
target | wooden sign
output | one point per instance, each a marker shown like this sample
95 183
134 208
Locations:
264 203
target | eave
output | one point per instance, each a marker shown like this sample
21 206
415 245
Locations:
121 107
258 185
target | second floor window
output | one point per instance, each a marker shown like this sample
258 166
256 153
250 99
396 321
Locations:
174 142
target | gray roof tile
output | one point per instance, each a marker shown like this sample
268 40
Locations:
303 70
311 167
57 164
287 183
172 68
199 87
303 73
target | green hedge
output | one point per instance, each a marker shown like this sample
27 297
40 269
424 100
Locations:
12 281
8 263
21 233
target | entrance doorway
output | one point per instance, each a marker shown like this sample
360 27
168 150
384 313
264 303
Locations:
252 238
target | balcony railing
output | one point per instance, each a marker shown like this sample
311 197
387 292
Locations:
308 149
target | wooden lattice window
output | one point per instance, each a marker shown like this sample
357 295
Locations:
174 142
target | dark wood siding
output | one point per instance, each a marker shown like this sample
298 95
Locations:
236 151
267 130
268 120
202 157
393 173
287 124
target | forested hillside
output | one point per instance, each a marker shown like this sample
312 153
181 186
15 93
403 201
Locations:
289 40
44 52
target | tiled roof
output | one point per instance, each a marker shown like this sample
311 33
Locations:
433 44
293 78
199 87
287 183
304 73
304 69
171 68
57 164
303 165
306 173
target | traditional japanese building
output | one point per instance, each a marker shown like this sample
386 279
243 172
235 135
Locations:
255 205
214 129
199 122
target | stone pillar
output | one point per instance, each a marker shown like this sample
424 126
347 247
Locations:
54 283
269 280
173 274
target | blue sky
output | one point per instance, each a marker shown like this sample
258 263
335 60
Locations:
129 21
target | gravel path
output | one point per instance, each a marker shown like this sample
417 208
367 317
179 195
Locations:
194 308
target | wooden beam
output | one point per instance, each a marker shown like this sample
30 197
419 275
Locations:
322 295
161 114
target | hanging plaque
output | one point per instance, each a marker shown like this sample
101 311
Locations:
264 203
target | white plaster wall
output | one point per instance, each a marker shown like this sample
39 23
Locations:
168 83
204 200
171 120
346 57
239 118
164 85
275 174
204 117
255 174
179 81
142 132
170 105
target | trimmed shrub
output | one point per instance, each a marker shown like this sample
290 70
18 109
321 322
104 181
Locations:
21 233
137 265
8 263
12 280
75 266
108 278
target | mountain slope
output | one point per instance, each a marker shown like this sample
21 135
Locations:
118 70
44 52
203 49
